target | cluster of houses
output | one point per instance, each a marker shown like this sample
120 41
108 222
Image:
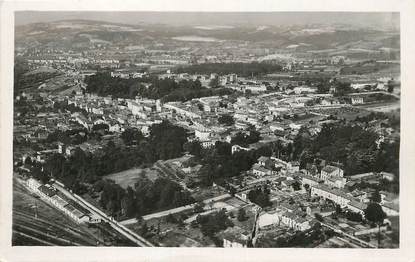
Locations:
329 184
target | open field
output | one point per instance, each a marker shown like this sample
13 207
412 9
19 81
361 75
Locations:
131 176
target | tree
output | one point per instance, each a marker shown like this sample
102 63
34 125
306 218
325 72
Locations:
226 120
375 214
132 136
194 148
319 217
214 83
376 197
323 87
390 86
242 215
338 209
296 185
260 197
198 208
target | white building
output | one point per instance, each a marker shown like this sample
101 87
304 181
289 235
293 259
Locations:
335 195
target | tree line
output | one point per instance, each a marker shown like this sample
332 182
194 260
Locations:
166 89
241 69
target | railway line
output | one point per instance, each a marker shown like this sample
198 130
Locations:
32 238
60 233
49 236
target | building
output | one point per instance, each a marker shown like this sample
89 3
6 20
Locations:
330 171
338 182
259 170
236 148
356 100
332 194
294 221
310 180
33 184
236 237
357 207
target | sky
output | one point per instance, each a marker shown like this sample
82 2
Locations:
373 19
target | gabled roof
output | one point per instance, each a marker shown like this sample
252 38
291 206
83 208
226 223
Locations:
329 169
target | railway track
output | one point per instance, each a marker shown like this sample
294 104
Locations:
24 219
49 236
37 240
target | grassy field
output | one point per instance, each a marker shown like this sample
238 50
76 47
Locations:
131 176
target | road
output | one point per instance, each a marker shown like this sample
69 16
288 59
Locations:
137 239
175 210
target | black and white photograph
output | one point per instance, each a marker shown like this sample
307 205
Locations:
173 129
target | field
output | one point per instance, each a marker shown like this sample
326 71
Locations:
131 176
367 68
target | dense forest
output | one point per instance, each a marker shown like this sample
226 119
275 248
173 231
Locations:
166 90
241 69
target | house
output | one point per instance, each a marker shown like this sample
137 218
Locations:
260 170
388 176
33 184
332 194
330 171
357 100
357 207
236 237
310 180
288 182
294 221
338 182
293 166
236 148
75 214
242 195
202 134
207 143
263 160
360 195
114 127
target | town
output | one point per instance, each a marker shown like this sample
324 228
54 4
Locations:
206 136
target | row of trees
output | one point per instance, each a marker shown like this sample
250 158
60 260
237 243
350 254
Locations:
165 89
241 69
